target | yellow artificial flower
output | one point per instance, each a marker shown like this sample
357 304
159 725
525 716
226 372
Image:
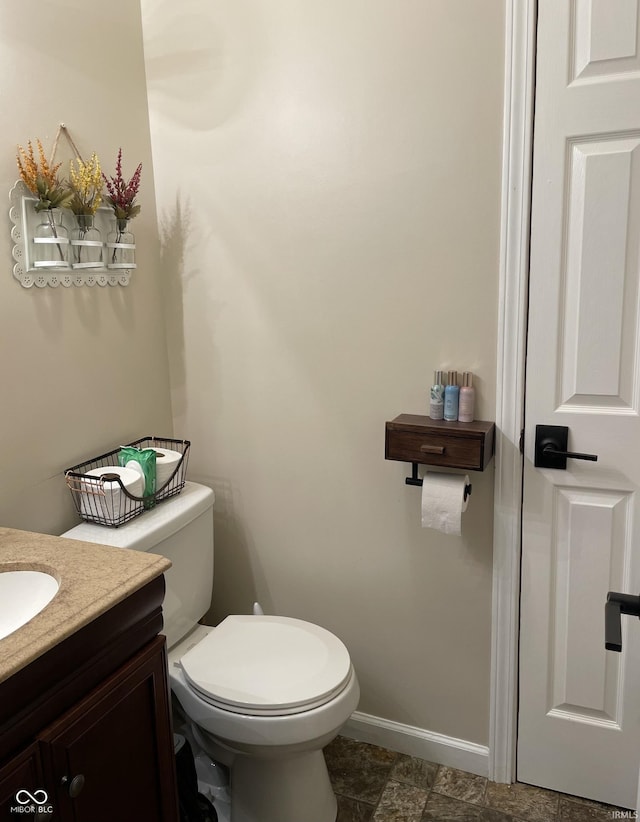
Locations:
41 179
85 185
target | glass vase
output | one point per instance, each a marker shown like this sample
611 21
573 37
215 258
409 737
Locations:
86 243
50 240
121 246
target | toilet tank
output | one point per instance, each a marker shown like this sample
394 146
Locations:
181 529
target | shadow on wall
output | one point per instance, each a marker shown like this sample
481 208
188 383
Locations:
235 556
234 552
174 235
200 61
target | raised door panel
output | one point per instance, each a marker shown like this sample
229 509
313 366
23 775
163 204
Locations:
118 741
22 791
606 34
599 276
589 551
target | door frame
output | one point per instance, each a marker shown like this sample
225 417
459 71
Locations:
519 83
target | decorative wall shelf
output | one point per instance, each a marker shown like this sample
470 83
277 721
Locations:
24 219
418 439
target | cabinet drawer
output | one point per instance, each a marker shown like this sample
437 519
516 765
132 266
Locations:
414 438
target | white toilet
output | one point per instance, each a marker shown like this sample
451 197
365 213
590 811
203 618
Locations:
265 693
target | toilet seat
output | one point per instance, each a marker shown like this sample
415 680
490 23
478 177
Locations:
267 666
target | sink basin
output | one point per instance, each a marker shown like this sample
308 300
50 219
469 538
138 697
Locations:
23 594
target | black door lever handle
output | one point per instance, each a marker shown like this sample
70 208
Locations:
612 625
616 605
551 447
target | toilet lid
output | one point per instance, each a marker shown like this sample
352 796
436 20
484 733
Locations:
267 665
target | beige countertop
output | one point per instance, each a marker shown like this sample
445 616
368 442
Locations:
93 578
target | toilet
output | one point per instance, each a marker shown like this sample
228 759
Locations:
264 694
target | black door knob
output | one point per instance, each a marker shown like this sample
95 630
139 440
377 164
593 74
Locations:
73 785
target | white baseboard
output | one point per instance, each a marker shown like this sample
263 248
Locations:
406 739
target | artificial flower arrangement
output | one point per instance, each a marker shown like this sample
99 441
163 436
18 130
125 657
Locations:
85 186
82 193
122 194
42 179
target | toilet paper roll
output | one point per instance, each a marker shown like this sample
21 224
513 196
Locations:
166 462
443 501
134 465
114 503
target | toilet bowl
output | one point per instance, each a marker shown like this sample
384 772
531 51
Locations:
267 694
264 694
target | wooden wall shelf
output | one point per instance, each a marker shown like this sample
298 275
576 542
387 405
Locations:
418 439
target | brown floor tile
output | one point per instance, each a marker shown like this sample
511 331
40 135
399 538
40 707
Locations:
350 810
358 770
442 808
573 809
373 784
414 771
523 801
400 803
466 787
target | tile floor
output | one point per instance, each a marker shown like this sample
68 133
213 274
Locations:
373 784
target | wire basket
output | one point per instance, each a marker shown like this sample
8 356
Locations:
103 498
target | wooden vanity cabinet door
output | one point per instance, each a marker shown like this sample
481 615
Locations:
117 745
23 773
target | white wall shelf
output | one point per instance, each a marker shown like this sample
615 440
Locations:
25 218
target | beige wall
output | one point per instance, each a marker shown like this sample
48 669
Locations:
81 369
328 182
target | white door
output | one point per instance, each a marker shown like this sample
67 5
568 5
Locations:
579 709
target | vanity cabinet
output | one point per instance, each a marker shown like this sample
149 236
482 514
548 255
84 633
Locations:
108 754
23 772
107 758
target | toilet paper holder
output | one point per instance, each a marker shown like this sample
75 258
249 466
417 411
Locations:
414 479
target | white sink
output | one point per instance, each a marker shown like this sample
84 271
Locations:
23 594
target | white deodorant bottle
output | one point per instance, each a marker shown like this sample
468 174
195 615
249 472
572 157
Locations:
467 398
436 396
451 397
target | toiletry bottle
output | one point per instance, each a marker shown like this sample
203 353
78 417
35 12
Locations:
467 398
436 396
451 396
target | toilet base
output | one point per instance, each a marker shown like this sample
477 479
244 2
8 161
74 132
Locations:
291 789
